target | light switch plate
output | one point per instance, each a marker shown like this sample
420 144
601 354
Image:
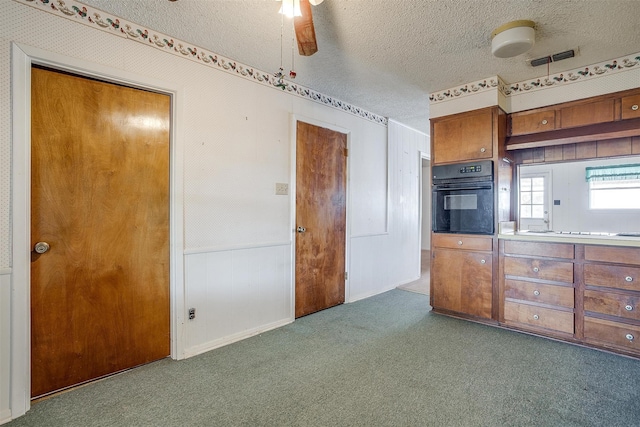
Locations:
282 189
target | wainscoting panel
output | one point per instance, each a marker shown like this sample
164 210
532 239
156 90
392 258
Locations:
236 293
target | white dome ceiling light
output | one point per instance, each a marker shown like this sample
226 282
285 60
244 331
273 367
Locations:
513 38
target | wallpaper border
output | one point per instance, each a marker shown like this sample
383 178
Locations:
90 16
531 85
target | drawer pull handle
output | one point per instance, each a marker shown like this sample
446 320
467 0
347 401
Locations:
460 242
536 317
536 269
536 292
634 107
482 150
629 337
629 279
628 307
483 261
544 122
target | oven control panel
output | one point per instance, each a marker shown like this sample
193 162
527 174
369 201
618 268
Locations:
471 169
481 169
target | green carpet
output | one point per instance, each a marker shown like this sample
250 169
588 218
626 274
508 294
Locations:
383 361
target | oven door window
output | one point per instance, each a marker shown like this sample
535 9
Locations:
463 210
460 202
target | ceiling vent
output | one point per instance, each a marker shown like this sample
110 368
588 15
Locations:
553 58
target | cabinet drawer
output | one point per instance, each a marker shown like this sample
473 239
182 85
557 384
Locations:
551 250
587 114
539 292
532 122
612 254
557 271
462 242
613 304
612 276
612 333
630 107
539 317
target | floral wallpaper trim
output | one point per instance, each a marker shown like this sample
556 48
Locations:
566 77
98 19
469 89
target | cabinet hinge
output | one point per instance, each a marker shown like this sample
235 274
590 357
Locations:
346 275
346 152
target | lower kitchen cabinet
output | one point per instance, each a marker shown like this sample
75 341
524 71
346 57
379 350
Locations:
586 294
612 298
537 285
462 275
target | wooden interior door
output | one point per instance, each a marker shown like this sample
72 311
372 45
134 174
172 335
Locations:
100 200
321 171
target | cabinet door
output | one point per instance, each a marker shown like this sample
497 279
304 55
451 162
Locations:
587 114
532 122
630 107
463 137
462 281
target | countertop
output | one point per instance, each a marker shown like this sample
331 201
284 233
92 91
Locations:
583 239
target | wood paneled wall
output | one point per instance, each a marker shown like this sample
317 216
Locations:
581 151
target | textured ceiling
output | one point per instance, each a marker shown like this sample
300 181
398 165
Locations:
387 56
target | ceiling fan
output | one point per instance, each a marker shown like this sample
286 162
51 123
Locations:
303 24
300 10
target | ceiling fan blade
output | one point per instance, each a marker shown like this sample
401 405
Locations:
305 31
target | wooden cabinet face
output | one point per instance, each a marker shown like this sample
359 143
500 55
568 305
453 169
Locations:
464 137
600 331
462 281
462 242
630 107
551 250
587 114
557 271
532 122
612 276
539 317
613 304
614 255
562 296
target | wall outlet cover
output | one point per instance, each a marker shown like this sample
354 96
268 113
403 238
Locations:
282 189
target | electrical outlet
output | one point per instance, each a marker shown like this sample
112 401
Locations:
192 313
282 189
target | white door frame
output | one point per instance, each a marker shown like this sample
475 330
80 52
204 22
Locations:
23 57
423 156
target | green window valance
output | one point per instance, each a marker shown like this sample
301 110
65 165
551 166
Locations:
613 173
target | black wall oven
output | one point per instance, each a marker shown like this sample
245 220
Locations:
462 198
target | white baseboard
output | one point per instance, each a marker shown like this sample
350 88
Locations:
5 416
212 345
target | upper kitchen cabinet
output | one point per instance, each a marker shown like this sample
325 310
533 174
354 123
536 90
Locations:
466 136
605 117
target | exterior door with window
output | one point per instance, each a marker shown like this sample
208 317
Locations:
535 201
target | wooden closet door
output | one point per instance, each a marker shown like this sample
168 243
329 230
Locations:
100 200
321 176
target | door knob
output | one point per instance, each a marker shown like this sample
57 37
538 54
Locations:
301 230
41 247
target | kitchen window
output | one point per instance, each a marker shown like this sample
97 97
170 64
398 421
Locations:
614 187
